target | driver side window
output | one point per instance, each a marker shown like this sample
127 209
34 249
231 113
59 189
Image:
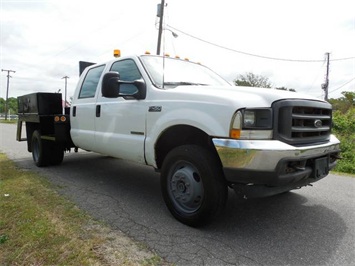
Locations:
128 71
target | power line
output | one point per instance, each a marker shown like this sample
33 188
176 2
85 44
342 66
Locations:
316 77
346 83
255 55
343 59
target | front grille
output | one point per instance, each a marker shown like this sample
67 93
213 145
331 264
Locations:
302 122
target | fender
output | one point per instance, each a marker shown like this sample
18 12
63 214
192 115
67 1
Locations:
207 121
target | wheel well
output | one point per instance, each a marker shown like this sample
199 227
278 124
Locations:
46 126
180 135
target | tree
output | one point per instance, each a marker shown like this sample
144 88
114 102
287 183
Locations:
349 96
344 103
11 106
252 80
2 105
344 129
285 89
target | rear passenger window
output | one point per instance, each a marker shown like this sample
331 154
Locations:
88 89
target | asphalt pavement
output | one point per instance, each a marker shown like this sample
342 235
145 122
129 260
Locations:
311 226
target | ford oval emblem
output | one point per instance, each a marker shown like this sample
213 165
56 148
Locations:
318 123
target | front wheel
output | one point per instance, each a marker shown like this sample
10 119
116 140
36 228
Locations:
193 185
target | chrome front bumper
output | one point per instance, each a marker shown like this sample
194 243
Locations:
271 161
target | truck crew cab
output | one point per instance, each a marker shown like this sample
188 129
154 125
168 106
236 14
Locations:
201 133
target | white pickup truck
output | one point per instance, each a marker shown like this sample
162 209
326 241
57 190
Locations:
201 133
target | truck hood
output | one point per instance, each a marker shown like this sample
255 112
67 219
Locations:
236 95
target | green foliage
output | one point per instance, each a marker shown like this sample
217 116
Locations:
344 129
252 80
12 105
2 105
285 89
345 102
3 238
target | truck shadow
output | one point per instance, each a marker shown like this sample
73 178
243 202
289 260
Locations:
283 229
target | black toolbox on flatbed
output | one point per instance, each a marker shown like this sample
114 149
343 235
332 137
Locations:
40 103
39 110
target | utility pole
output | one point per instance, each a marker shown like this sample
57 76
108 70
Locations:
7 89
325 85
160 14
65 94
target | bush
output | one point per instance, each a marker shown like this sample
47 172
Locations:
344 129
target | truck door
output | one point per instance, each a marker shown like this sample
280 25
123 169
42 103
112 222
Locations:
83 109
120 122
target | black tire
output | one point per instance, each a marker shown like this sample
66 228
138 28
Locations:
193 185
40 149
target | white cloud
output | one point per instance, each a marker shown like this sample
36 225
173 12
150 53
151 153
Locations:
44 40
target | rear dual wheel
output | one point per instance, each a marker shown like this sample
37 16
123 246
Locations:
45 152
193 185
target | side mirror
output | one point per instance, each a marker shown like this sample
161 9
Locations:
113 87
139 93
110 85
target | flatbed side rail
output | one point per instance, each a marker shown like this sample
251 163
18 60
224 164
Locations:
19 131
37 122
34 118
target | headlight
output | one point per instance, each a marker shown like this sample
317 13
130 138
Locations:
252 124
257 118
249 119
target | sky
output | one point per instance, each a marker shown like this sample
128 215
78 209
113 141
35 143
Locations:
283 40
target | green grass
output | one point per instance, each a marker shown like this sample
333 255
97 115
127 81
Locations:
39 227
12 121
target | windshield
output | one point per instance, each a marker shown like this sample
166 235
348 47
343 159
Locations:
179 72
